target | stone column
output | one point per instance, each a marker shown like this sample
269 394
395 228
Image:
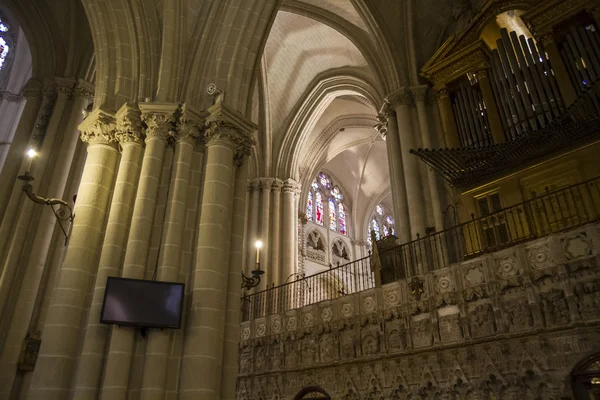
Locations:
448 120
274 276
421 95
389 128
252 226
288 245
129 135
53 373
232 315
31 260
228 139
159 120
265 218
560 70
10 169
491 107
159 341
402 102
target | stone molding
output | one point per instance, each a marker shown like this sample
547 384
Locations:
129 124
290 186
99 127
529 300
12 97
33 88
421 93
189 125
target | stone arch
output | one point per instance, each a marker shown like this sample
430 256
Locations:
319 94
312 392
582 375
340 251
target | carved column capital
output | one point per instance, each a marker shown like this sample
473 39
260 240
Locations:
84 89
277 185
65 86
402 97
98 128
159 119
290 186
443 92
266 184
189 124
129 124
381 126
225 125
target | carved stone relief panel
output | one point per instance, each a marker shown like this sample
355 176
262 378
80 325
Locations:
260 327
555 307
482 320
309 351
293 353
347 344
328 348
518 314
260 358
422 331
370 345
275 355
397 335
449 324
576 245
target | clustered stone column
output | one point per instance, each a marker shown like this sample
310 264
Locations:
227 139
160 122
129 135
389 129
288 229
274 277
157 350
265 218
402 101
53 374
231 335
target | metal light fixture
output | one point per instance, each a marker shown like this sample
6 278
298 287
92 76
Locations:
61 214
248 282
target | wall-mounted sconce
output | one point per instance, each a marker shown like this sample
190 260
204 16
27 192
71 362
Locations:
248 282
61 214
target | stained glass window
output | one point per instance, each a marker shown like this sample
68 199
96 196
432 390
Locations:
375 227
319 208
324 180
332 221
386 231
309 207
315 185
379 210
342 218
337 194
3 45
389 220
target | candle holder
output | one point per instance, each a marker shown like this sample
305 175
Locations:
248 282
61 214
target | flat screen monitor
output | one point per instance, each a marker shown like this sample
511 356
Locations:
148 304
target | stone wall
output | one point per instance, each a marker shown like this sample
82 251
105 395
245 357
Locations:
510 324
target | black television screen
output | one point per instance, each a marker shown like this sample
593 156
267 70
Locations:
142 303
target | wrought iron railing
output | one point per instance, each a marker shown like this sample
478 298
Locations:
335 282
551 212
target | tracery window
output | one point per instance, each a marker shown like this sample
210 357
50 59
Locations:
322 190
381 223
4 49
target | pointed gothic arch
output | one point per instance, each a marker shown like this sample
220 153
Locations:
312 392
